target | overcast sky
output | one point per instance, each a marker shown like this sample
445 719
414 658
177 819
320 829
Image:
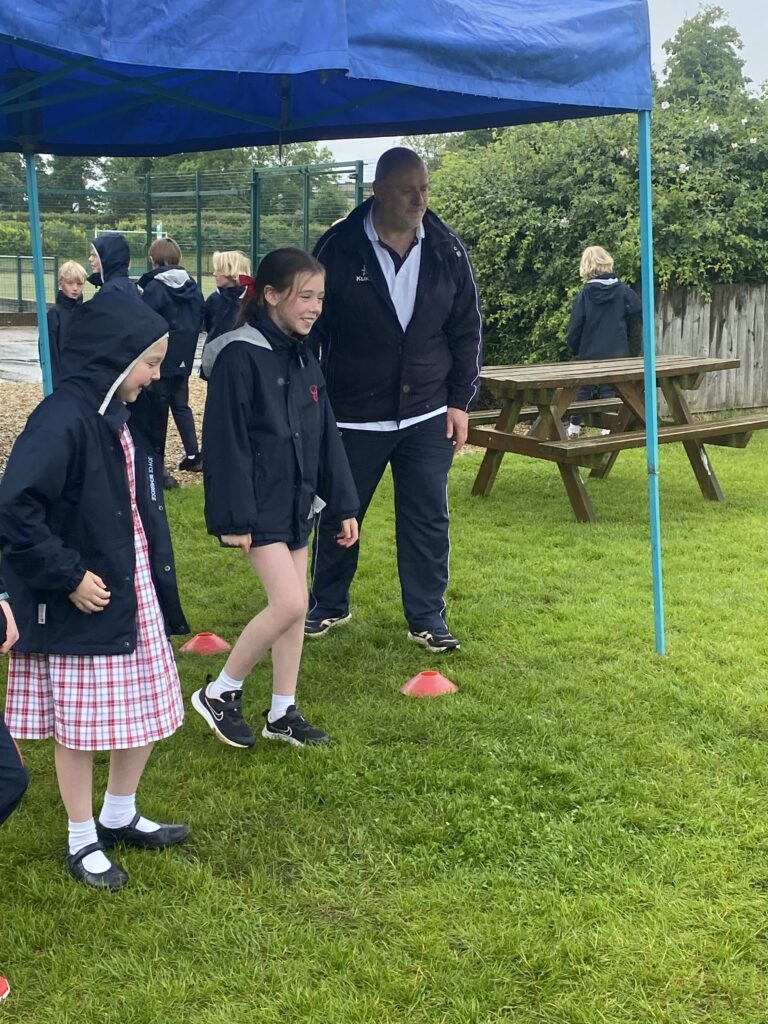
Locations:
750 17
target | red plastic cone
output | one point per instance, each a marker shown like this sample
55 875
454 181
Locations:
206 643
428 684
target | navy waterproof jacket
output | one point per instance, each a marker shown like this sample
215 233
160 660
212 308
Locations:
59 316
271 443
376 370
598 324
115 259
172 293
65 504
221 310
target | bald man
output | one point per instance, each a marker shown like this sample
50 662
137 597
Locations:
400 342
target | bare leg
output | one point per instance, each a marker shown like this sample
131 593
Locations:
287 606
74 771
286 650
126 768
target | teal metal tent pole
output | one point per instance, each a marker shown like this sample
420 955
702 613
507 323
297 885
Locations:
649 356
37 266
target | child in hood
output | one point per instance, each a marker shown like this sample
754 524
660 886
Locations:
88 564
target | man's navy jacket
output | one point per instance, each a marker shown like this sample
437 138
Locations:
376 370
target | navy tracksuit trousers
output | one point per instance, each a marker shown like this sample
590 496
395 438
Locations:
420 457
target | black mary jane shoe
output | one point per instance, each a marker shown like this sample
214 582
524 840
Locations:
113 878
129 835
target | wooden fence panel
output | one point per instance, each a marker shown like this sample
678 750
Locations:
731 323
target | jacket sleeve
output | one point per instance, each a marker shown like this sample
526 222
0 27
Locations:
632 304
336 485
465 338
576 324
34 478
230 496
54 344
209 310
320 336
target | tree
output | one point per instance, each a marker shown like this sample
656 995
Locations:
702 62
12 173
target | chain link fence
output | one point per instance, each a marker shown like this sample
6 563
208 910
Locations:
254 211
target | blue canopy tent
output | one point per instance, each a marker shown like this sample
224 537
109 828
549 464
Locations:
189 77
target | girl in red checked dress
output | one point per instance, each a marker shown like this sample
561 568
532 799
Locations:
88 564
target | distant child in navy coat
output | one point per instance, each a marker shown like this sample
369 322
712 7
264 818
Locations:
170 291
110 261
88 563
222 307
599 318
72 277
273 459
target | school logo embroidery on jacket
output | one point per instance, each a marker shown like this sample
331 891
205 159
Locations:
313 392
363 275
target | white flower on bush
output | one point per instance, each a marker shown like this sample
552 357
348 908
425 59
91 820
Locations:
744 120
752 141
714 126
665 105
563 222
734 145
683 168
624 152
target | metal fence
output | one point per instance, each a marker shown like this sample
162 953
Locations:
253 210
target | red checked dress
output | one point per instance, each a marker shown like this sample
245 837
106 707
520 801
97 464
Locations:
103 702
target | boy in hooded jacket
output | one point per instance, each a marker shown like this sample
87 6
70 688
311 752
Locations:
69 297
170 291
598 328
110 260
88 563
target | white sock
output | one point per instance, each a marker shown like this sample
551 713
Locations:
119 811
83 833
223 684
280 705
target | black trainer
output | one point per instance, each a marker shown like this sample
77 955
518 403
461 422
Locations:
192 463
435 640
170 483
224 716
319 627
293 728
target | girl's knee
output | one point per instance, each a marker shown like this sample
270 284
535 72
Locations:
292 607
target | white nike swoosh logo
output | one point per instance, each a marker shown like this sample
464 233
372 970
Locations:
218 715
283 732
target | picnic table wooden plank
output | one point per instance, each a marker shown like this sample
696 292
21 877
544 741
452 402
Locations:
510 379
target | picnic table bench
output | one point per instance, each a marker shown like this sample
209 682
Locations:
540 395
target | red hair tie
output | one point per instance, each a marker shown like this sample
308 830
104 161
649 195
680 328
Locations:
250 286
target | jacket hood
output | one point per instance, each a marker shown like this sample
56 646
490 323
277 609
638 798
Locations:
114 254
260 331
106 338
602 289
177 278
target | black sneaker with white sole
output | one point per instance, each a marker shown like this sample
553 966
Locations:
435 640
224 716
192 463
293 728
319 627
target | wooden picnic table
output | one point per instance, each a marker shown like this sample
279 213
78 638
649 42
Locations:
543 393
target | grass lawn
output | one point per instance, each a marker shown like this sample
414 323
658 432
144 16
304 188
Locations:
580 835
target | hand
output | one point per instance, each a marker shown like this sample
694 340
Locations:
11 632
237 540
91 594
348 534
457 424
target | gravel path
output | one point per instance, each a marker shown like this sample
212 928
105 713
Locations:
18 400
